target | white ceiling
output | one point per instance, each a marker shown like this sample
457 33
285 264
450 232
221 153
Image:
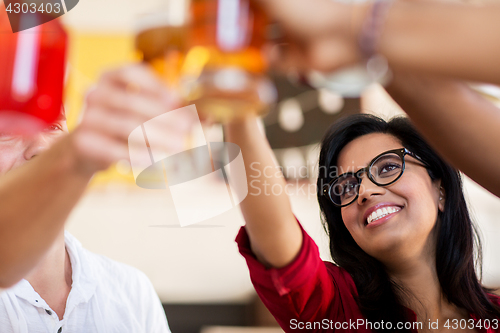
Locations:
110 15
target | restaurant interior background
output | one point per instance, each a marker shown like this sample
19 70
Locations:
197 271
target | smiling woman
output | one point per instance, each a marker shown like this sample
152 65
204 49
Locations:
431 231
401 237
414 196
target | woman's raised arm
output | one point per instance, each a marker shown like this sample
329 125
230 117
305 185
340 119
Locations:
274 233
462 125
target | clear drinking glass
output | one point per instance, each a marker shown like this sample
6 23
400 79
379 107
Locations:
352 81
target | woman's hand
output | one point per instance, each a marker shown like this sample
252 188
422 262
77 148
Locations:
321 34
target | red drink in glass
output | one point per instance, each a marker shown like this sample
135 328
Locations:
32 64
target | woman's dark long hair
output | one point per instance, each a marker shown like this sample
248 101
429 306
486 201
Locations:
456 236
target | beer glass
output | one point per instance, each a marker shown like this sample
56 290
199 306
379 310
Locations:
225 69
162 43
161 40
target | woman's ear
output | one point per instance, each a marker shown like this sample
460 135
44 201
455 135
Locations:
442 199
441 194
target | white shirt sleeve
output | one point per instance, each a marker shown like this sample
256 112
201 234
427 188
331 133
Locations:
156 320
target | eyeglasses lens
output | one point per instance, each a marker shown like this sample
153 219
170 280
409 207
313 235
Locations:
386 169
344 189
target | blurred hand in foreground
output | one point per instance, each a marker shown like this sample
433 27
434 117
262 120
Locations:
123 100
320 34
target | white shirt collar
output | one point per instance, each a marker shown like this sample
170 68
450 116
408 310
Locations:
83 276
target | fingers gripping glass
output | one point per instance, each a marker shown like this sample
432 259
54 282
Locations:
383 170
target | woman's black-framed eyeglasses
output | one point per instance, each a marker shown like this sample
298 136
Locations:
385 169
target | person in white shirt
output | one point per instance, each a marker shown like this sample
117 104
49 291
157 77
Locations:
65 287
96 294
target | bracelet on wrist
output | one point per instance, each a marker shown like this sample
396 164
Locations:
369 37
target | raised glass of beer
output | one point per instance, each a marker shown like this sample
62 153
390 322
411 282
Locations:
161 40
224 71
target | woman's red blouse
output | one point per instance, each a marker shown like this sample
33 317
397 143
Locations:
316 296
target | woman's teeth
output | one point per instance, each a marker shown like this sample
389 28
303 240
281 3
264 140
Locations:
381 212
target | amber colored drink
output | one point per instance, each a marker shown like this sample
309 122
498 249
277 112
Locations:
164 48
227 36
234 31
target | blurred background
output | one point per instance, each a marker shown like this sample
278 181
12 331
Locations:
197 271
